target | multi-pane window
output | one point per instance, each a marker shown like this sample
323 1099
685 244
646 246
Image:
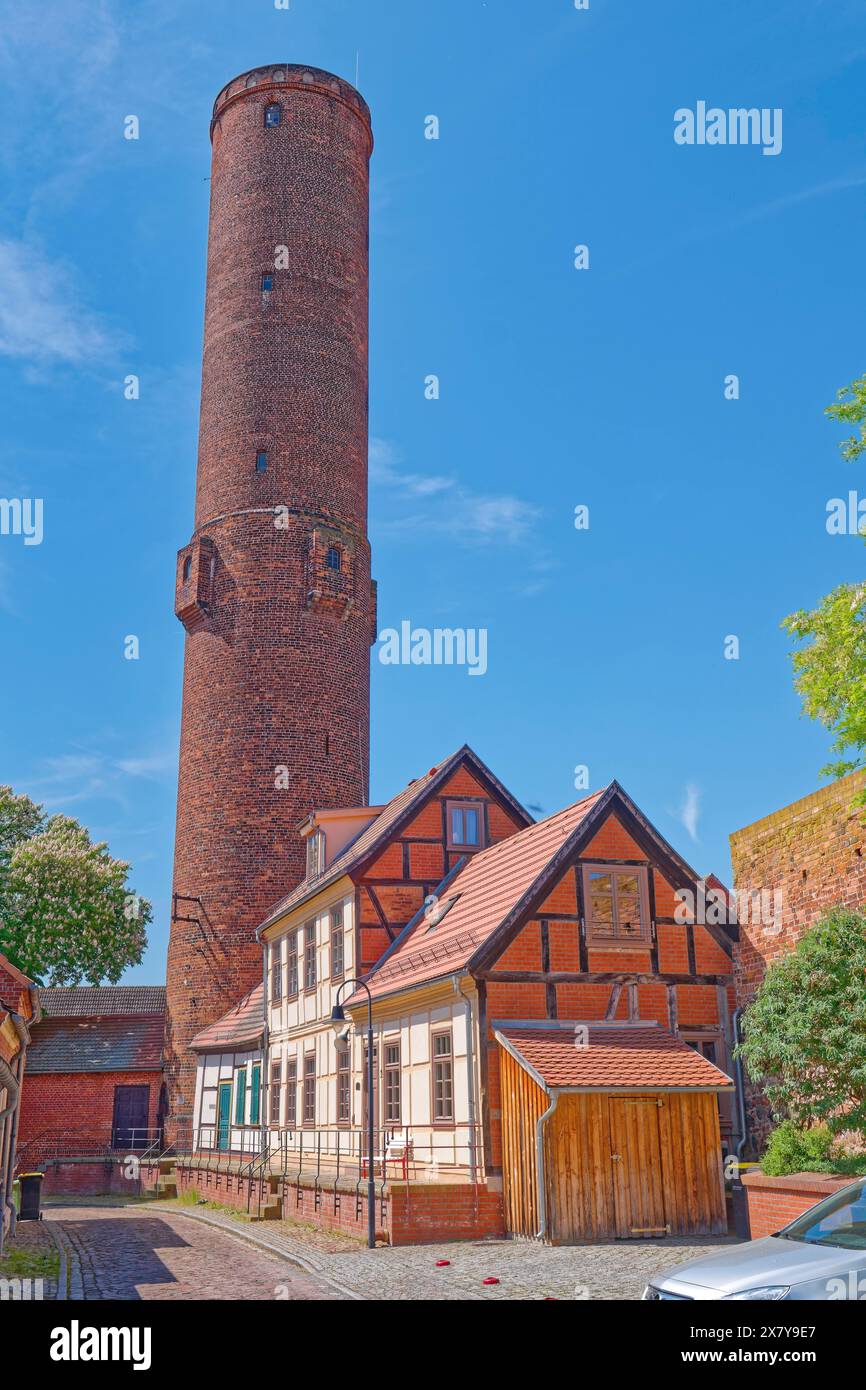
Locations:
310 1089
292 1094
443 1077
465 824
276 1075
344 1087
255 1092
310 956
241 1096
617 905
337 959
392 1083
276 972
273 114
334 558
315 854
267 283
292 964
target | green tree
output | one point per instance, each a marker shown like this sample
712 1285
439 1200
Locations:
67 915
830 665
804 1036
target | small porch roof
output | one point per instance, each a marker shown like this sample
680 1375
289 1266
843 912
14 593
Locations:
242 1026
620 1057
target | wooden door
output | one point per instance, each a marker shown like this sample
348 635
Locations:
636 1166
224 1122
129 1125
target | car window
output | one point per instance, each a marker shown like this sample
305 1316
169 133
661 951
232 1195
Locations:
839 1220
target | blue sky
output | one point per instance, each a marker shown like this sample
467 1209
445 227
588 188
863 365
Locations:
559 387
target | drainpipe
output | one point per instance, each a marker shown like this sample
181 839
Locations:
741 1090
470 1079
539 1166
264 1082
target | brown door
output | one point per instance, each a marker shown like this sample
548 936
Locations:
129 1127
636 1166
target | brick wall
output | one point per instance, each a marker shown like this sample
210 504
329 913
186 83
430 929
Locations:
76 1104
408 1214
773 1202
814 853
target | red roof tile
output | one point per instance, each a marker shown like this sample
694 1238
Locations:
378 830
486 889
615 1058
241 1026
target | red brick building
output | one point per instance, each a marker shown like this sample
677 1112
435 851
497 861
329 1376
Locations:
804 859
94 1074
19 1012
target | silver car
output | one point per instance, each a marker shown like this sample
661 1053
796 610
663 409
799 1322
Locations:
821 1255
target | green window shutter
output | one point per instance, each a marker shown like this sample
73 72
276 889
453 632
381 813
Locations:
241 1097
255 1092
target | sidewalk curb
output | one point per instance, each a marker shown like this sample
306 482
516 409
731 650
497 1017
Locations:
308 1265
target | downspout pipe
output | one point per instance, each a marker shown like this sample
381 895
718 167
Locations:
470 1078
741 1089
539 1165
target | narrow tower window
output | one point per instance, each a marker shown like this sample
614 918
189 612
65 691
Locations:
273 114
261 460
187 568
334 558
267 283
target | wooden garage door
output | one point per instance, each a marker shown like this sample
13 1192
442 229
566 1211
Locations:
636 1166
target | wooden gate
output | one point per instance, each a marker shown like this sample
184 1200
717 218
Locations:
636 1166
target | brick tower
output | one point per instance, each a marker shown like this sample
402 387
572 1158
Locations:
274 588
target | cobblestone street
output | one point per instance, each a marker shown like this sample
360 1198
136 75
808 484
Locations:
172 1252
135 1252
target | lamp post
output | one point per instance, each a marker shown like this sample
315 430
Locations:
338 1016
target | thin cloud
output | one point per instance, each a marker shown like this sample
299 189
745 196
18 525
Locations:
452 510
690 810
42 319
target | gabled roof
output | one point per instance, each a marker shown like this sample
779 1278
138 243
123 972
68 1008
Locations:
610 1057
242 1026
110 1043
398 812
485 891
495 889
14 983
102 1000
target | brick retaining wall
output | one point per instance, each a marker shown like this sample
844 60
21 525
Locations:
773 1202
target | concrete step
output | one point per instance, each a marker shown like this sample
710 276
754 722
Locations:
272 1210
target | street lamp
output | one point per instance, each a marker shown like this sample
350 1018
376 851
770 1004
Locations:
338 1016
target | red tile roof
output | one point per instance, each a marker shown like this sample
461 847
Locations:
486 889
242 1026
615 1058
401 806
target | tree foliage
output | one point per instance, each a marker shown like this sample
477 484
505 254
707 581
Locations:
804 1036
67 915
830 663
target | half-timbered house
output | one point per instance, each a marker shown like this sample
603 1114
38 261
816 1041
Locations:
551 1040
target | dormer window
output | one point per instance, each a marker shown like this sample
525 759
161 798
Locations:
465 824
273 114
315 854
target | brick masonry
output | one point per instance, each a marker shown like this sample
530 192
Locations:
407 1213
773 1202
65 1106
277 660
814 853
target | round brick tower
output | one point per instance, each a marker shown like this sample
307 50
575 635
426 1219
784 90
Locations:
274 588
